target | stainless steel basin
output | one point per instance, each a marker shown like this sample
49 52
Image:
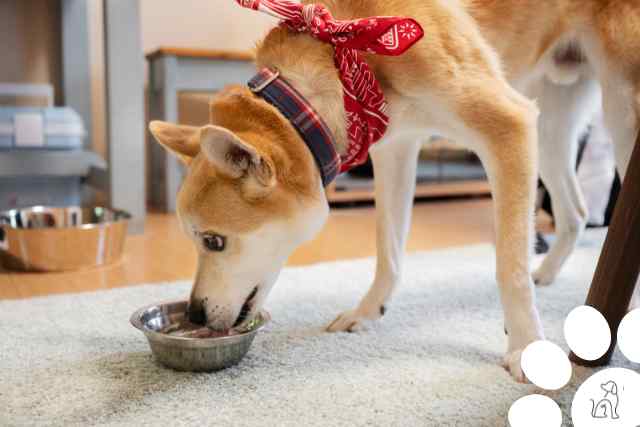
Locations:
43 238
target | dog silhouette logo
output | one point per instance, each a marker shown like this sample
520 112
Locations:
606 398
607 407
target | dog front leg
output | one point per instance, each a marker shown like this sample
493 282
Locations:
394 165
509 154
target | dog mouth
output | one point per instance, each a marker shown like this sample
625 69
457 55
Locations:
247 307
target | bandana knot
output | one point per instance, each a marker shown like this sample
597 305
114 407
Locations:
365 106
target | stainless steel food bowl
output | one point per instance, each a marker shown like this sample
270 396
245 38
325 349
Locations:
192 354
45 238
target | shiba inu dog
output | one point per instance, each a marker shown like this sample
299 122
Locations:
253 192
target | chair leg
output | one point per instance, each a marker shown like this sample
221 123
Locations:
619 264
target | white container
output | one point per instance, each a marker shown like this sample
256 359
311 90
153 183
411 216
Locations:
28 128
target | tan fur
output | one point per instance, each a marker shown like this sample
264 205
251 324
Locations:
213 199
261 125
459 80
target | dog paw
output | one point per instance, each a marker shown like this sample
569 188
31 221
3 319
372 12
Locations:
543 277
511 363
353 320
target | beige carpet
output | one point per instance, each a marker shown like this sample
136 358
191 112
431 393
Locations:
433 361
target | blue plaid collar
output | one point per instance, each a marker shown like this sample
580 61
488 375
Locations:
314 132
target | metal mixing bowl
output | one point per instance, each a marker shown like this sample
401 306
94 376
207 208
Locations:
192 354
43 238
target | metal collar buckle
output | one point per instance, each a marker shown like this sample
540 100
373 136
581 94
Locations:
259 88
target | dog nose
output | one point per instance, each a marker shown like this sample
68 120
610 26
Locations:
196 314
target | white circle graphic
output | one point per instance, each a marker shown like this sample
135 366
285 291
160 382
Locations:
587 333
629 336
535 410
608 398
546 365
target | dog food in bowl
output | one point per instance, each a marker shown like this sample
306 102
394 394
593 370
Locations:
179 344
186 329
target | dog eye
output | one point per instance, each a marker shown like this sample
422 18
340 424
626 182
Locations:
214 242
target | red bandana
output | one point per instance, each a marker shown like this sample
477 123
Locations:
364 102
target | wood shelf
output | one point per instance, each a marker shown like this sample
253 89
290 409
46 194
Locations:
365 191
217 54
49 163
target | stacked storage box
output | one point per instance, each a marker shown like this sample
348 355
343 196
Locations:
49 128
42 161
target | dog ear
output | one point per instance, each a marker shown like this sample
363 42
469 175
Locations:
183 141
235 158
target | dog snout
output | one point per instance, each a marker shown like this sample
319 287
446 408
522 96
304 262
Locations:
221 317
214 316
196 312
220 323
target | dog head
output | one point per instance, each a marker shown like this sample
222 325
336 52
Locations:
610 388
250 196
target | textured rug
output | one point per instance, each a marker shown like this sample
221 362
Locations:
433 360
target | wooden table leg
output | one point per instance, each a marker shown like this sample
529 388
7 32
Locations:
619 264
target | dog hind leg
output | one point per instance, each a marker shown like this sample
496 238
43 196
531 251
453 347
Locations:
565 114
394 165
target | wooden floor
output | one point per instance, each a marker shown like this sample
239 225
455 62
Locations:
163 254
